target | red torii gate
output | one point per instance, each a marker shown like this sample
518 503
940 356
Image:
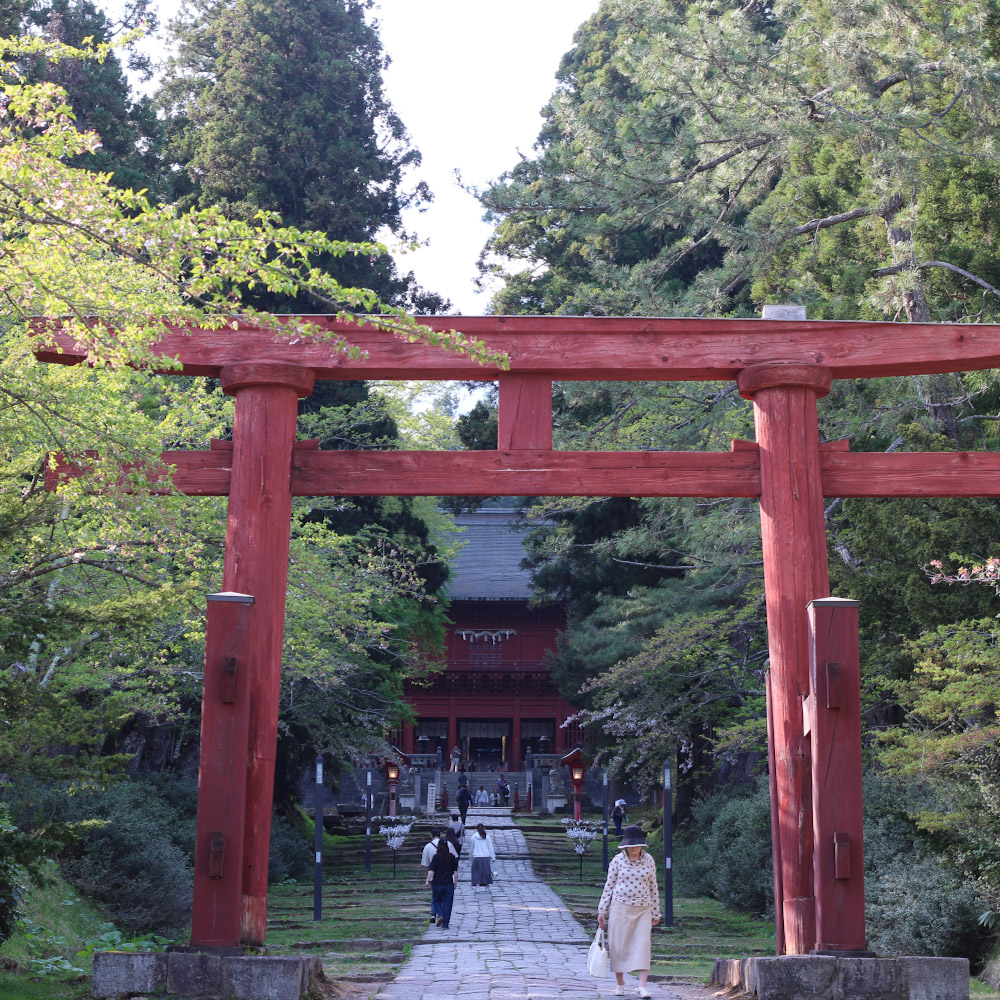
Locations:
783 366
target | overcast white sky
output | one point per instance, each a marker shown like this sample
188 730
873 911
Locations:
468 78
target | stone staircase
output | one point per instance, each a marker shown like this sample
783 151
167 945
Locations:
488 779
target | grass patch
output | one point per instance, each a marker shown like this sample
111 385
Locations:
368 925
57 923
703 929
369 922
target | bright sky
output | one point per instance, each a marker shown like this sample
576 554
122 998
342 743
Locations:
469 80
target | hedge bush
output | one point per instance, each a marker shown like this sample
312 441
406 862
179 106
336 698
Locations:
728 853
138 861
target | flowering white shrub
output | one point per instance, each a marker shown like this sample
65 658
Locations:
395 834
581 836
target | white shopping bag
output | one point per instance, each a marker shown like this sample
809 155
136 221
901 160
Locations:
597 956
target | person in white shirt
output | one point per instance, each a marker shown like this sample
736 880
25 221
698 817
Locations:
482 797
483 856
430 849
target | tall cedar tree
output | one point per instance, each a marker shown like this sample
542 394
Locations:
279 106
98 90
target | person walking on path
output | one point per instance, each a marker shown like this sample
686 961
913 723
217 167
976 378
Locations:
483 856
630 909
618 814
463 800
459 829
482 797
456 756
442 876
427 855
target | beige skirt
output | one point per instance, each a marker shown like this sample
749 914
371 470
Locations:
630 930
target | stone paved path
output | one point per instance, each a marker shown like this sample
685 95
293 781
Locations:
512 941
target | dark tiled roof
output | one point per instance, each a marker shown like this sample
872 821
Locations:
487 566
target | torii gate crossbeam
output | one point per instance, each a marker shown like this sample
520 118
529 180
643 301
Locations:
783 367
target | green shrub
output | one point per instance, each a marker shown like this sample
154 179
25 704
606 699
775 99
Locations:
917 903
727 855
137 861
920 906
290 856
21 861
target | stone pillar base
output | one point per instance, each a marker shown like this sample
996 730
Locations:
826 977
206 974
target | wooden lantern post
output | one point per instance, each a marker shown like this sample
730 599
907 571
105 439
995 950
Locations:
577 769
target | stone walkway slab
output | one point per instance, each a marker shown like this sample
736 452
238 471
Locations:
514 940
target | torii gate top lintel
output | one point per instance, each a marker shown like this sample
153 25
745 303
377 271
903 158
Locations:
588 348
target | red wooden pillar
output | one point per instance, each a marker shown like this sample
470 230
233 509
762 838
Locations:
257 538
833 721
793 534
225 719
524 412
515 760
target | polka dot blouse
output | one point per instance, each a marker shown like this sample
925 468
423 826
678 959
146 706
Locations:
632 882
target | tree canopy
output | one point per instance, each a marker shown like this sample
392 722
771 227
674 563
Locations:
279 106
700 156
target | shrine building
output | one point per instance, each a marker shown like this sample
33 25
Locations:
494 699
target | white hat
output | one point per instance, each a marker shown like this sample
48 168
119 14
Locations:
619 802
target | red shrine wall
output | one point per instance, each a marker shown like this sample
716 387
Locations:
494 699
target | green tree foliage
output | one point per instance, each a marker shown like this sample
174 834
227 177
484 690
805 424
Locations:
99 92
279 106
101 581
701 156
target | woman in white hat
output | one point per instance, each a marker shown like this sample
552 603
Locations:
618 815
630 909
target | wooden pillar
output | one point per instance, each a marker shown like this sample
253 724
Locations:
225 720
515 759
452 731
524 413
833 721
793 534
256 562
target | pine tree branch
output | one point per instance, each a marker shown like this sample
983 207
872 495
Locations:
832 220
887 82
881 272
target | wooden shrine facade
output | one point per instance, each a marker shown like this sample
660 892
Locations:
784 365
494 700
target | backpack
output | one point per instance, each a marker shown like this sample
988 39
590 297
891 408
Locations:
617 812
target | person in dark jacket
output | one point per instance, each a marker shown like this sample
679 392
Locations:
463 800
442 876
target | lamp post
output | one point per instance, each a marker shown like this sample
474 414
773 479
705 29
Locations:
577 769
318 841
368 819
668 834
392 776
604 810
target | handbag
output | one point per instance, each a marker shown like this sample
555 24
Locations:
597 956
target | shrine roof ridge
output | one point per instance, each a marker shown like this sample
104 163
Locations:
591 348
